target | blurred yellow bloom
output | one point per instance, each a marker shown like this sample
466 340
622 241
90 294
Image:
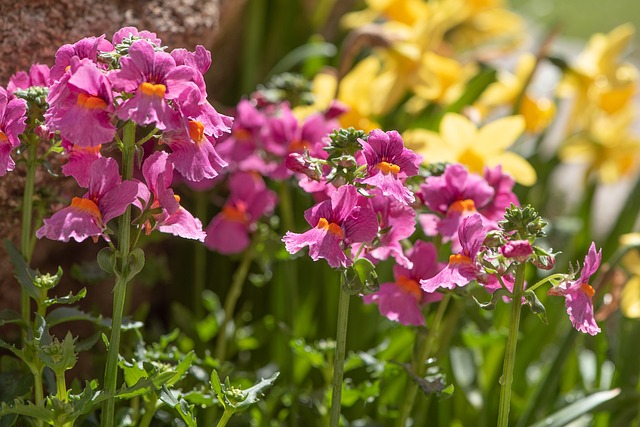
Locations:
537 112
599 80
609 150
630 298
405 11
459 140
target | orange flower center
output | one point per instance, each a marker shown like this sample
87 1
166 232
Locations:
151 89
388 167
241 134
332 228
3 136
91 102
466 205
298 145
196 131
87 206
411 286
587 289
235 212
175 196
459 259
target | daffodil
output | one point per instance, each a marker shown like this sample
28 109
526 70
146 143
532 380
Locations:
630 297
461 141
609 149
538 112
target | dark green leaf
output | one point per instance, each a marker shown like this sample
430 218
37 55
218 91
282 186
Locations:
21 270
107 260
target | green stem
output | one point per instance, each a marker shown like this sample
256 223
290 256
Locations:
26 248
230 301
61 387
226 416
545 280
120 290
150 411
510 353
418 364
200 258
338 365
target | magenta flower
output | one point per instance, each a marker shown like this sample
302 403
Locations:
12 124
79 161
337 223
86 48
503 194
133 33
38 76
81 106
397 221
462 267
388 162
519 250
87 216
402 300
239 148
171 218
578 294
154 80
249 200
452 196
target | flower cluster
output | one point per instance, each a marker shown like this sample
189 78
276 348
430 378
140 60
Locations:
94 90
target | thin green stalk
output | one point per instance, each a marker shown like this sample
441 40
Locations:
26 248
226 416
418 364
200 258
120 290
150 411
338 364
230 301
506 379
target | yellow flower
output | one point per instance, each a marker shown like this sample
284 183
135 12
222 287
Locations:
537 112
405 11
461 141
630 298
608 149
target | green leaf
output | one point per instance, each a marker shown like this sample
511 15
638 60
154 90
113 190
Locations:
216 386
182 368
145 385
536 306
301 54
69 299
28 410
366 272
136 263
252 395
107 260
577 409
11 316
180 405
68 314
495 297
21 270
59 356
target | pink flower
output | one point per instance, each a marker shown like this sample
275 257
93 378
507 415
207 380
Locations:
337 223
12 124
452 196
154 80
38 76
133 34
519 250
578 294
397 221
402 300
81 105
107 198
249 199
462 267
503 194
388 162
79 160
171 218
85 48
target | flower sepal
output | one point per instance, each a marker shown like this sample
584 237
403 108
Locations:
537 308
361 278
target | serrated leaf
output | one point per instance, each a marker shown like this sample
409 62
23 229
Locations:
253 393
21 271
69 299
180 405
28 410
182 368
